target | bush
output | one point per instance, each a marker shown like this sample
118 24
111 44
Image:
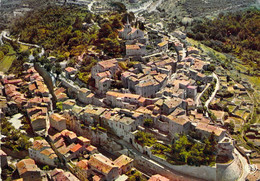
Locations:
148 122
145 139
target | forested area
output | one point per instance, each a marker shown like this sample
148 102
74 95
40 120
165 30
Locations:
68 31
237 33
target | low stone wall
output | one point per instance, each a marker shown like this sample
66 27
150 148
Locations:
202 172
229 171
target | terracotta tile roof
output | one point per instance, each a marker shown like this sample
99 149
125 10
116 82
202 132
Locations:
133 47
32 87
14 81
76 148
69 134
158 178
106 64
39 144
26 165
102 163
210 128
179 120
57 117
83 140
122 161
163 43
83 164
70 69
173 102
59 90
104 74
60 175
91 148
49 153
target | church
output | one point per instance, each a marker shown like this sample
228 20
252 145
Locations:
129 33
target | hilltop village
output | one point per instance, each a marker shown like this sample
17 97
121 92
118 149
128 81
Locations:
150 115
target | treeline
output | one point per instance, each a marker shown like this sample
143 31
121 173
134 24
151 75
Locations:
69 31
237 33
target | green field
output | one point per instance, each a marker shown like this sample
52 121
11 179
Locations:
8 59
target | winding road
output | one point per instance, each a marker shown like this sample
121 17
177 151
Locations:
215 91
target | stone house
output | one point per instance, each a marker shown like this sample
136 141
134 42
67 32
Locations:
171 104
189 104
177 125
163 46
121 124
103 73
91 114
69 145
42 152
135 50
206 130
60 175
28 170
124 100
191 92
57 121
124 164
38 122
104 166
83 96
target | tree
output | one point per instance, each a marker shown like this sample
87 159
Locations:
148 122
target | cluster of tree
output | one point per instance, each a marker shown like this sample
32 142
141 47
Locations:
135 175
61 29
148 122
186 150
236 33
144 138
14 139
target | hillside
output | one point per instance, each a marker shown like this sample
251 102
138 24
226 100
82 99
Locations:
235 33
68 31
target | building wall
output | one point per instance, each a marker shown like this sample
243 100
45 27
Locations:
58 125
38 157
3 161
38 124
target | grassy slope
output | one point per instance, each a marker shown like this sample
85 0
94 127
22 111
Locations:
253 80
7 61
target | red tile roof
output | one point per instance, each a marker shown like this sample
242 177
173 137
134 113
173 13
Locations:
76 148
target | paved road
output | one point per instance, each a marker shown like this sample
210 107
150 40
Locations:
197 102
215 91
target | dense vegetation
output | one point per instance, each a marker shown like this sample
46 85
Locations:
70 31
237 33
185 150
13 139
